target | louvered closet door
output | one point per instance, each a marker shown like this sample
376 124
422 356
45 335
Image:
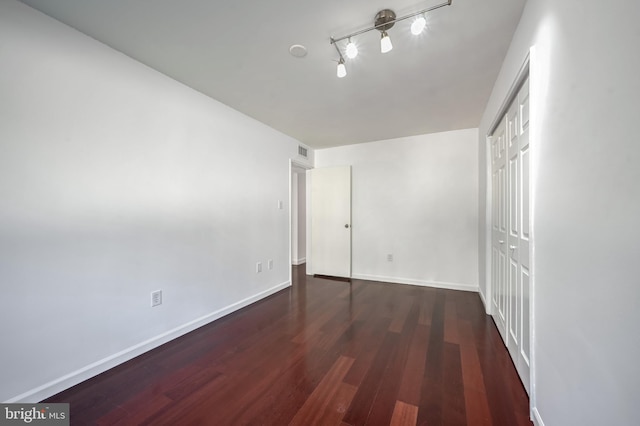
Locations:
511 249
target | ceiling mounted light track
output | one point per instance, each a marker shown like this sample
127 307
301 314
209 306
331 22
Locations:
383 21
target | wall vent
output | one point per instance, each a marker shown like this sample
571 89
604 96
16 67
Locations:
302 151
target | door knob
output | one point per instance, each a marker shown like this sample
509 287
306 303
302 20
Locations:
512 247
501 241
346 225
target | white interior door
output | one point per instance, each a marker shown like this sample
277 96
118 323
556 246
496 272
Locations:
521 240
511 231
499 227
331 221
513 198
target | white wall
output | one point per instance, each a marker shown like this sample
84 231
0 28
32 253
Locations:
585 88
414 198
115 181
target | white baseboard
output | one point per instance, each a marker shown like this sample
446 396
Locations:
484 301
297 262
91 370
535 417
410 281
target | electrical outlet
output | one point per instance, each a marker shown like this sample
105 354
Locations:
389 258
156 298
270 264
258 267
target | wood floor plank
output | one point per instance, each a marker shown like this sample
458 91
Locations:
290 390
310 331
430 408
413 373
387 395
318 402
338 405
137 410
335 330
404 415
398 320
427 300
187 409
453 405
451 321
247 390
320 352
360 408
368 350
185 387
476 405
505 394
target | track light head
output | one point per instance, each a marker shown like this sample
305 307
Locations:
384 20
418 25
385 43
342 69
352 50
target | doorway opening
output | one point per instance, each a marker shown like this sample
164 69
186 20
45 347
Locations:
297 213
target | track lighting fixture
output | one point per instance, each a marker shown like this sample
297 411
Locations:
383 21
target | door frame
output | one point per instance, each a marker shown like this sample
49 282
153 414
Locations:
528 69
296 165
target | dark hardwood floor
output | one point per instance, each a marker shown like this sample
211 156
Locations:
322 352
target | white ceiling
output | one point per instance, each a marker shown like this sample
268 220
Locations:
238 53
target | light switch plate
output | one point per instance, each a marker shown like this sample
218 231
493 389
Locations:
156 298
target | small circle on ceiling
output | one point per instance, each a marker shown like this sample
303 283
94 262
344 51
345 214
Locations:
298 51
